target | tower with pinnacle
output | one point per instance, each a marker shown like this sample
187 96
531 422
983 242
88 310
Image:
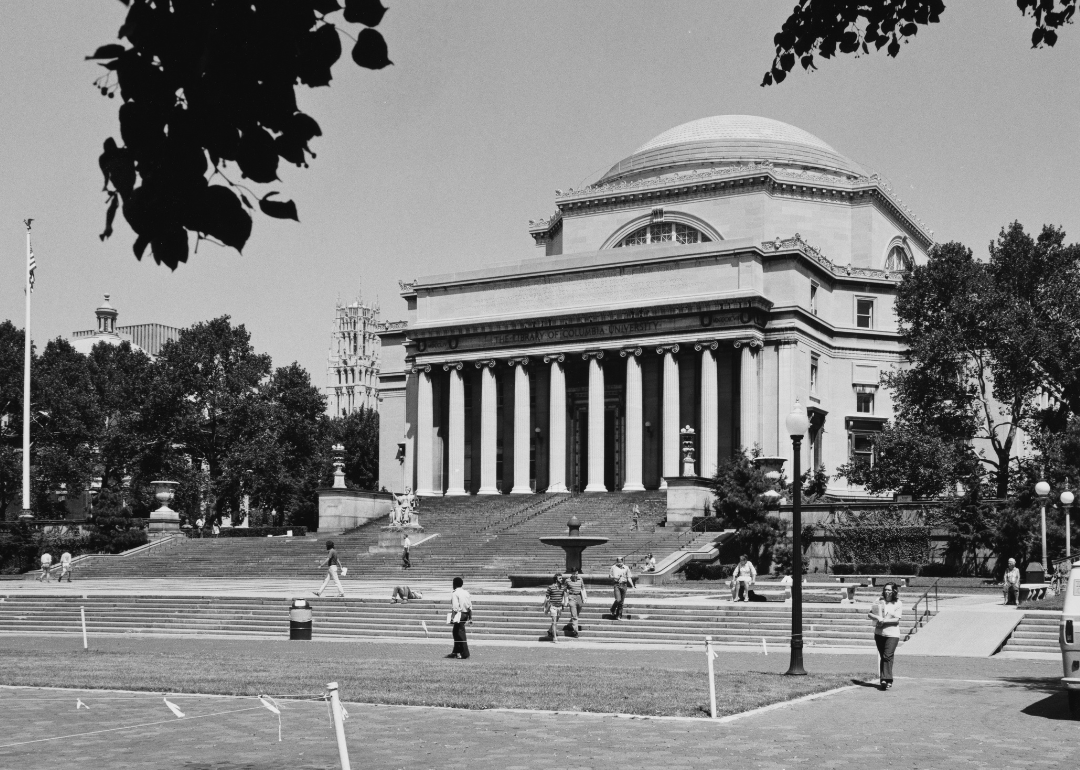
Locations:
352 369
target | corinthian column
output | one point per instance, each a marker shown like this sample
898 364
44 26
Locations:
522 432
710 422
557 427
425 434
749 397
596 423
670 431
456 485
632 483
488 424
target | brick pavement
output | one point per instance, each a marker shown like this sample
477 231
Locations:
943 714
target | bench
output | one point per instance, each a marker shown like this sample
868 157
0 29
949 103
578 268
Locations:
1033 591
876 580
847 590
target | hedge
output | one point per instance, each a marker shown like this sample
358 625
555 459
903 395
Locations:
263 531
697 570
707 524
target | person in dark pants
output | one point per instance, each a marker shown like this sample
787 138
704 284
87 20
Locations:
406 544
460 614
575 589
886 615
620 575
1012 583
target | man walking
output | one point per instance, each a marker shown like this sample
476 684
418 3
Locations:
65 567
620 573
635 518
406 544
575 592
332 564
460 614
554 601
1012 583
46 565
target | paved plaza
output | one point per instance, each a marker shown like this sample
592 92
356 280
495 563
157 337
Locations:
943 713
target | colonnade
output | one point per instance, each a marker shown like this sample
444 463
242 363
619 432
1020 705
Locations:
707 429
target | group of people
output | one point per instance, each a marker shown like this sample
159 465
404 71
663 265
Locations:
46 568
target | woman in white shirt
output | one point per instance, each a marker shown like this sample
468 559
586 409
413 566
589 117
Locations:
886 614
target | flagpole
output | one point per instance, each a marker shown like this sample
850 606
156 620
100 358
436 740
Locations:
26 513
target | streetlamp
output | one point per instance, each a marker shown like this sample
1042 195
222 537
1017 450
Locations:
797 425
1067 498
1042 489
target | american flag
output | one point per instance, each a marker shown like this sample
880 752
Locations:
30 270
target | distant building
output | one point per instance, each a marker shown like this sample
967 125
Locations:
352 367
145 337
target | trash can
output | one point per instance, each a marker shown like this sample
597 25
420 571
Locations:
300 620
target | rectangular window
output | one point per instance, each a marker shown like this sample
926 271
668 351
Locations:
864 313
862 447
864 403
813 375
813 298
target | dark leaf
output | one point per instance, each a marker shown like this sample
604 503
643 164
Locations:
787 61
326 6
219 214
370 50
110 51
366 12
807 62
110 214
894 47
257 156
778 74
909 29
245 201
140 246
1037 36
170 247
278 209
1050 37
118 166
319 51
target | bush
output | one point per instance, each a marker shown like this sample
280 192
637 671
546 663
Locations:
871 568
707 524
937 570
263 531
697 570
842 568
903 568
782 561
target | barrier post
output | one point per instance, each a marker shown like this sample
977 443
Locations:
82 613
709 654
339 726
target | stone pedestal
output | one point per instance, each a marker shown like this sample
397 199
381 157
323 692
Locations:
687 497
164 521
390 538
342 509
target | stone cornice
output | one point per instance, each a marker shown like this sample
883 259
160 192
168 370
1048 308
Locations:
744 302
735 179
838 272
545 230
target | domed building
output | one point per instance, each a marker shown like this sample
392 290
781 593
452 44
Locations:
712 277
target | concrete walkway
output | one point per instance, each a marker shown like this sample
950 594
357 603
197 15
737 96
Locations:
969 626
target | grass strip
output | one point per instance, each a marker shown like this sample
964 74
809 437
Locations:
495 677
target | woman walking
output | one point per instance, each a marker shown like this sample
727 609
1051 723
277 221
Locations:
332 565
460 614
886 615
555 599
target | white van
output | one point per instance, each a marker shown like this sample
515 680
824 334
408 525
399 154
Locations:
1069 639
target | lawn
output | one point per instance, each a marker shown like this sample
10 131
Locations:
647 683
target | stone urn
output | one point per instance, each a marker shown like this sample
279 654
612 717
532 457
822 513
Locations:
164 521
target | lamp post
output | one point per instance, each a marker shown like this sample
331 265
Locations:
797 424
1042 489
1067 498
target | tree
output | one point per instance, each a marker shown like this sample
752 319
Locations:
209 85
823 27
358 432
11 417
204 408
120 377
737 488
65 415
979 337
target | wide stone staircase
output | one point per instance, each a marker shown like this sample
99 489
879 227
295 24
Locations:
495 619
478 537
1035 633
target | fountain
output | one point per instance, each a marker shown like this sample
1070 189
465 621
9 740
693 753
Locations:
573 543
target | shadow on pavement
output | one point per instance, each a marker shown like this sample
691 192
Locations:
1035 683
866 683
1054 706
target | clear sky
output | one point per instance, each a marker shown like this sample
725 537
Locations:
438 163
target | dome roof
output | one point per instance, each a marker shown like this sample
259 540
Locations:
725 140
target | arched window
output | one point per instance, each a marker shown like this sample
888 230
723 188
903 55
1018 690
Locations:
898 259
664 232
